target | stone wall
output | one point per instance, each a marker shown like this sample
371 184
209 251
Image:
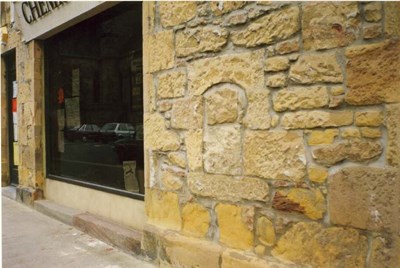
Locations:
272 133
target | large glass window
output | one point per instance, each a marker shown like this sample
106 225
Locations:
94 91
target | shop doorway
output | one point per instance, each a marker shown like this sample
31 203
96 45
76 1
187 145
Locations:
12 113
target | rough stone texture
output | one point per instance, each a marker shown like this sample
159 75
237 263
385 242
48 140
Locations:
162 47
373 12
369 132
227 188
355 150
309 202
222 146
257 115
181 251
233 225
235 259
187 113
373 73
329 24
318 137
365 198
337 90
371 31
222 107
164 106
194 149
317 174
287 47
175 13
392 19
171 85
313 119
162 209
171 181
178 159
335 101
275 26
385 252
157 136
239 17
314 68
274 155
265 231
195 219
369 118
300 98
207 39
244 69
325 247
393 130
350 132
277 64
221 8
276 80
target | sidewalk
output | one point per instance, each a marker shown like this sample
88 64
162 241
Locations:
31 239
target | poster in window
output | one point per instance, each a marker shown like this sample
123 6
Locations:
75 82
16 153
15 89
72 112
131 182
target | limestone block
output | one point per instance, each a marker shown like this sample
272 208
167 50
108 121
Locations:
329 24
373 12
227 188
275 26
157 136
277 155
164 106
244 69
287 47
265 231
313 119
276 80
233 225
385 252
300 98
369 118
317 174
309 202
171 181
350 132
221 8
222 107
196 220
187 113
194 149
182 251
393 130
222 147
161 48
205 39
235 259
318 137
355 150
315 68
236 18
373 73
162 209
177 159
257 115
336 101
324 247
276 64
365 197
370 132
174 13
337 90
371 31
392 19
171 85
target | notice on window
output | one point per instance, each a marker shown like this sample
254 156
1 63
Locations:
15 89
72 112
131 182
75 82
16 153
15 132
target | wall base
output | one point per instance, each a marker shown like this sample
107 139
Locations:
28 195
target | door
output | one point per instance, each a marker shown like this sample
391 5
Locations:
12 113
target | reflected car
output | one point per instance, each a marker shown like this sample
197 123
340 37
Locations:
116 131
129 149
83 132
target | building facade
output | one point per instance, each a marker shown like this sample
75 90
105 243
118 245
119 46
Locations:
230 134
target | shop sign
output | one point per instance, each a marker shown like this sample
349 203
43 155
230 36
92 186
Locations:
42 19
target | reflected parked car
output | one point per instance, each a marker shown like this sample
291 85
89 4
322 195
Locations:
116 131
129 149
83 132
